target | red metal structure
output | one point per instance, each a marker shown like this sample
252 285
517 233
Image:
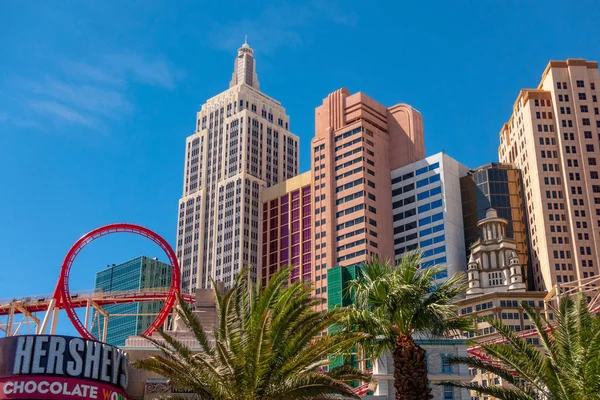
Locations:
62 299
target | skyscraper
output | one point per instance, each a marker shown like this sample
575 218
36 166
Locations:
497 186
136 274
552 136
242 144
427 212
357 143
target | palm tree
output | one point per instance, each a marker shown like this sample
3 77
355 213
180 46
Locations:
267 345
393 303
566 367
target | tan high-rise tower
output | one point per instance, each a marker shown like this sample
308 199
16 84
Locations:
553 137
241 145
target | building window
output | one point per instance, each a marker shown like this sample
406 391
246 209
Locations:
446 365
448 392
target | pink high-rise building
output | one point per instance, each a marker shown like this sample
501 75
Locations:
357 143
553 137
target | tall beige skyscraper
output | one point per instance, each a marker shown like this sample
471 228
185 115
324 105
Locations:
553 137
242 144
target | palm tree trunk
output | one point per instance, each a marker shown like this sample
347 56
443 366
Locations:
410 370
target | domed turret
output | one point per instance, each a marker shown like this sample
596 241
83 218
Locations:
474 284
492 227
244 68
516 274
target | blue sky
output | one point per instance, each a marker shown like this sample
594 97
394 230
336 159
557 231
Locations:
96 98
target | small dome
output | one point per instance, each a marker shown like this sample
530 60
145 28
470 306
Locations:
491 213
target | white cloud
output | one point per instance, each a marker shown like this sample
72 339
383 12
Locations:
55 109
83 93
277 25
92 72
144 69
96 99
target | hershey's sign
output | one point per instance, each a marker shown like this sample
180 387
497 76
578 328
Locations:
72 357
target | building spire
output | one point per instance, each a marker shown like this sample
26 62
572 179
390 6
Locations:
244 67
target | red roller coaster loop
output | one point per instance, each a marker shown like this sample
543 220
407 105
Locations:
62 294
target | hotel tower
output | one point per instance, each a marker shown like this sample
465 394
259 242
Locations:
241 145
357 143
553 138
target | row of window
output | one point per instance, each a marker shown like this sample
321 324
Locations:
430 206
351 234
429 231
429 193
348 153
406 214
403 202
351 255
348 173
427 181
350 223
431 252
431 167
503 303
348 163
349 185
402 178
350 197
406 188
347 134
429 242
348 144
350 245
350 210
437 261
431 218
406 238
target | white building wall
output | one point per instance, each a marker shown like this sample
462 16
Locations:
427 210
438 371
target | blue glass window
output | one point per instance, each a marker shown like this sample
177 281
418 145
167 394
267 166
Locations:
437 217
425 232
422 182
442 274
439 250
436 190
438 228
440 260
423 195
427 253
427 264
424 221
424 207
421 170
434 166
426 242
436 204
434 178
438 239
